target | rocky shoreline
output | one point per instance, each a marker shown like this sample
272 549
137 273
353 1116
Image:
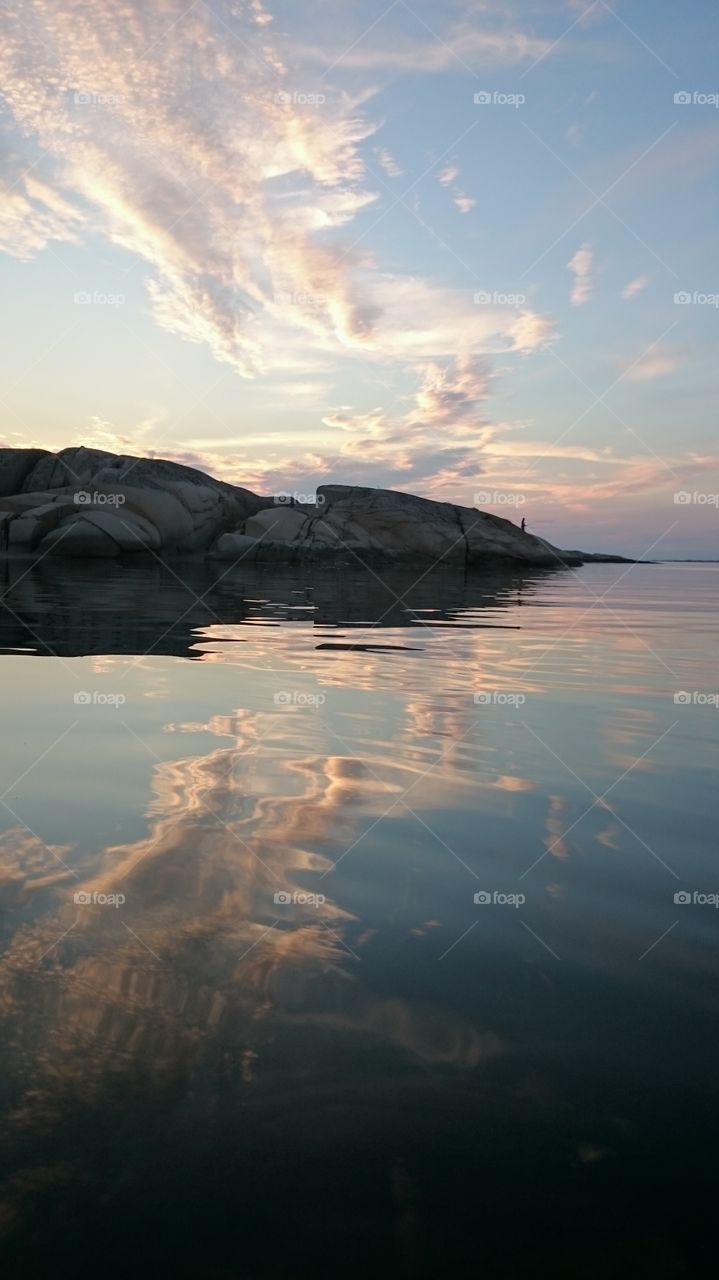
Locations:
88 504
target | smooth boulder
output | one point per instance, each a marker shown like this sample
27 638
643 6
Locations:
86 502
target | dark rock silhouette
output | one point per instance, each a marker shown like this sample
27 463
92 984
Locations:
86 503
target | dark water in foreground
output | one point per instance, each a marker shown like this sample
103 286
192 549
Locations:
253 1021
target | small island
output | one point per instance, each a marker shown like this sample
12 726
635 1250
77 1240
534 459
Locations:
87 503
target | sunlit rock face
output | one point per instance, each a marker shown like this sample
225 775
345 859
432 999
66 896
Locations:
86 503
355 523
404 524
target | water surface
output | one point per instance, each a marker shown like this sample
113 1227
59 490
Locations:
259 1018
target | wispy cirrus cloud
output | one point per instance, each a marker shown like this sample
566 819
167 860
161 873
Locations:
415 47
388 163
655 365
179 136
582 268
447 178
32 214
151 126
634 287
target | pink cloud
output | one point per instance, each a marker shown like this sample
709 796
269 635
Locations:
581 267
653 366
635 287
464 203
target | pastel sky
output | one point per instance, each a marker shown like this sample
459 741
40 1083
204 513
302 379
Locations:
462 248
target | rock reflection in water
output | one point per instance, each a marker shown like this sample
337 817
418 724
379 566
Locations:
72 608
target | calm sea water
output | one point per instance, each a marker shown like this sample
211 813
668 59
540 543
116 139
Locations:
340 929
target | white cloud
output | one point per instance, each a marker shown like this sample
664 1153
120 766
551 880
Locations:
461 43
634 287
581 267
419 320
32 214
464 203
154 127
389 164
227 177
653 366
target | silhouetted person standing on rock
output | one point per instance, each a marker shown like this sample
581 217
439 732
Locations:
524 524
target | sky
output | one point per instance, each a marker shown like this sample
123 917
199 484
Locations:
465 249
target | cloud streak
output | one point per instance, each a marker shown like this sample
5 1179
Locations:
634 287
414 49
582 267
194 153
180 137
